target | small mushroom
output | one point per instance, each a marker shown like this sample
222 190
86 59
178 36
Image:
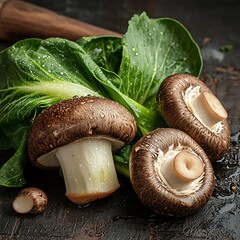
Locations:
30 200
79 135
186 103
171 173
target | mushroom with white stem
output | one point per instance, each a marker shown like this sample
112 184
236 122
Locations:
171 173
187 104
79 135
30 200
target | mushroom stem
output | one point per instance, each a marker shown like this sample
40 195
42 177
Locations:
89 172
182 169
208 109
30 200
23 204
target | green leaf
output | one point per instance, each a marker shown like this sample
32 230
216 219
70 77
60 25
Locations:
152 50
12 172
36 74
105 51
122 160
5 144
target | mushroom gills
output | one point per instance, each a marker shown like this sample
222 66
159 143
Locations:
88 169
50 160
180 169
206 108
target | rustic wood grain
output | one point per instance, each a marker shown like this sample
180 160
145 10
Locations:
19 19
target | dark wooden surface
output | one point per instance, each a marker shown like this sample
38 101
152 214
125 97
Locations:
213 24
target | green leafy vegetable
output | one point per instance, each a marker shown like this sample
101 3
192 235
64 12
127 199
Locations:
12 172
105 51
37 73
122 160
153 50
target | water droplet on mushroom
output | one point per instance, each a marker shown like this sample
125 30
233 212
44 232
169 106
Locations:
90 132
102 115
55 132
137 149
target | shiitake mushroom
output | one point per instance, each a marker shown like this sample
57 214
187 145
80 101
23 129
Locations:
187 104
171 173
80 135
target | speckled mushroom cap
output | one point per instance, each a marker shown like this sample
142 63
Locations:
151 190
177 115
76 118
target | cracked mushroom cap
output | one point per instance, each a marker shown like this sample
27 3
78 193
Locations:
186 103
76 118
154 172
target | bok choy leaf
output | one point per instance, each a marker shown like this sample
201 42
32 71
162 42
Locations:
12 172
153 49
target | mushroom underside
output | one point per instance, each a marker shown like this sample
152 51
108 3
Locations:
212 135
156 191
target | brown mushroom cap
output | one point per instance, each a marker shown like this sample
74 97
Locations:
177 115
149 187
76 118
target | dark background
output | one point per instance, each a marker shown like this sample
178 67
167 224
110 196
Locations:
213 24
